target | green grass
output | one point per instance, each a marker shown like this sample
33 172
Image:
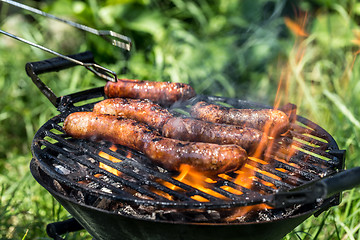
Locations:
229 48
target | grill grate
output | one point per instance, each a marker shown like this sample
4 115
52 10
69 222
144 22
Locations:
75 163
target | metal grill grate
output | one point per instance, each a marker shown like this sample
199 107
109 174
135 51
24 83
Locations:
75 163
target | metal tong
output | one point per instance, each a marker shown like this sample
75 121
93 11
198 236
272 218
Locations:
123 42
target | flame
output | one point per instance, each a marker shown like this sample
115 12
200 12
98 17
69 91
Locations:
110 158
245 178
194 179
356 39
275 147
279 95
297 27
197 180
263 142
242 211
171 186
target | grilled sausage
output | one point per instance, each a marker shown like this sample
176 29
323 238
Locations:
181 128
273 121
164 93
143 111
170 153
201 131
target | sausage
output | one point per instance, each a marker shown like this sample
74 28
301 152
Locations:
270 120
201 131
164 93
181 128
95 126
169 153
143 111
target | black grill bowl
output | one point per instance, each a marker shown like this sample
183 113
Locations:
106 225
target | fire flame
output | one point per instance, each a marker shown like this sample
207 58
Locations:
295 27
110 158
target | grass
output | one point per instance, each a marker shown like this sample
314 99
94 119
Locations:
228 48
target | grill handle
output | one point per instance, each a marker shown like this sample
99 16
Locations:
33 69
59 63
54 230
320 190
341 181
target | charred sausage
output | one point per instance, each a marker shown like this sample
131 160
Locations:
270 120
164 93
170 153
181 128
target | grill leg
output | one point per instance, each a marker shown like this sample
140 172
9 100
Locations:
54 230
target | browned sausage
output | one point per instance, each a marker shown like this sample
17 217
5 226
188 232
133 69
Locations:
164 93
181 128
143 111
270 120
201 131
170 153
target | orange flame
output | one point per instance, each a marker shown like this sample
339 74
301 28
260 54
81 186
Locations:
295 27
192 178
110 158
355 41
197 180
242 211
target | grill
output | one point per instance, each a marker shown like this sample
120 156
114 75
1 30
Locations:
73 162
139 200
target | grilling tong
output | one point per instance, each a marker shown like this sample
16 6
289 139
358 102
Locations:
114 38
315 191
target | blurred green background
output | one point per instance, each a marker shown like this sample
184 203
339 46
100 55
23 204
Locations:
243 49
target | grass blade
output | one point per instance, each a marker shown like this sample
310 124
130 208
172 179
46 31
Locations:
337 101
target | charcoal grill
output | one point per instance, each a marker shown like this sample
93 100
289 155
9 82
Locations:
294 186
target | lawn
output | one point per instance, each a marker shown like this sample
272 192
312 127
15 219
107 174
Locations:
243 49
